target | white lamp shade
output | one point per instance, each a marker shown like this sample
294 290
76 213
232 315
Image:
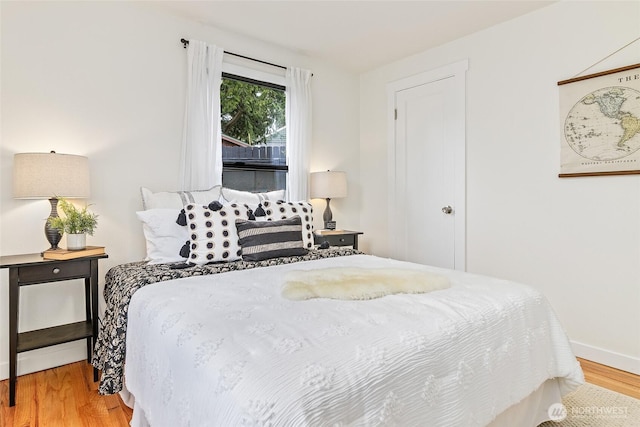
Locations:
46 175
328 185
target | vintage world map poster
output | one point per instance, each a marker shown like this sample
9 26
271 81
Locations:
600 123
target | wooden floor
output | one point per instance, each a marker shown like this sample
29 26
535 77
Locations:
613 379
67 397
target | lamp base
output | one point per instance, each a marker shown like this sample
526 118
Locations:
329 225
53 235
327 217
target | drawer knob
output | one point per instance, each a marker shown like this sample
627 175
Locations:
56 270
342 239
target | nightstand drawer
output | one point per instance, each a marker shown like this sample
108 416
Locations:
337 240
54 271
337 237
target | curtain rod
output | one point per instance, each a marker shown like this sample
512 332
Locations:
185 42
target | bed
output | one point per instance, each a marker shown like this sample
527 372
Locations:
228 349
223 344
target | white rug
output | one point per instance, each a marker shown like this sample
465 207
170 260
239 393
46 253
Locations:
593 406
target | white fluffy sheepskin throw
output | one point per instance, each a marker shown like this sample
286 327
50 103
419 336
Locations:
350 283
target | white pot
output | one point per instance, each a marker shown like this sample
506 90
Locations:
75 242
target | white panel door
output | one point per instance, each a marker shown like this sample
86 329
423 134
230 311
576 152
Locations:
427 182
425 173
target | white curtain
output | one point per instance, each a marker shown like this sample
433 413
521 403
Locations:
298 112
201 160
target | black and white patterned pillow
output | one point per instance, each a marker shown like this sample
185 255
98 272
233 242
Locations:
270 239
212 233
283 210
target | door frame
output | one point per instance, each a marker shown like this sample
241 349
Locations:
457 71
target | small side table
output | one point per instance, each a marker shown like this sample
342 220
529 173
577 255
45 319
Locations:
337 237
32 269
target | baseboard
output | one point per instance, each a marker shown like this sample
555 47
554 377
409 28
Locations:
46 358
606 357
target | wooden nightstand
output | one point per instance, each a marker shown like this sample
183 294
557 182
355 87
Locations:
32 269
337 237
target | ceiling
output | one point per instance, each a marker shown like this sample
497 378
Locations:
356 35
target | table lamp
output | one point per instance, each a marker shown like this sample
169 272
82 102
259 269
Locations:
49 176
328 185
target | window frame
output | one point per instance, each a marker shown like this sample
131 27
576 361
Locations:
234 71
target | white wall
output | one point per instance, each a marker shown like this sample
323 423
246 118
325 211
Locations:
578 239
107 80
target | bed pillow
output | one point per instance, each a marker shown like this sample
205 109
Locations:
177 199
212 233
249 198
283 210
270 239
163 236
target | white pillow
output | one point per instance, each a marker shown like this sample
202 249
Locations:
177 199
164 236
285 210
212 233
249 198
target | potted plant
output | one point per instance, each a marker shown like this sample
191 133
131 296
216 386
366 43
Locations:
76 223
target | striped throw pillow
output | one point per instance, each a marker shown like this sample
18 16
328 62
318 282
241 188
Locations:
270 239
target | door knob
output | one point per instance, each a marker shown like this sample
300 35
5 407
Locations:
447 210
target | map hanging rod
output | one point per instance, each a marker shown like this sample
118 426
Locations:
602 73
608 56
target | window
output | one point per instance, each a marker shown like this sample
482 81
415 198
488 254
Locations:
252 116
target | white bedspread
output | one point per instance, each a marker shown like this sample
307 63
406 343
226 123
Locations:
228 350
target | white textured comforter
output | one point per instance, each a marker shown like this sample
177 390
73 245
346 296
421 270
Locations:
228 350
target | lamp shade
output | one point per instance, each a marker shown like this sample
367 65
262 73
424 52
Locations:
328 185
46 175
